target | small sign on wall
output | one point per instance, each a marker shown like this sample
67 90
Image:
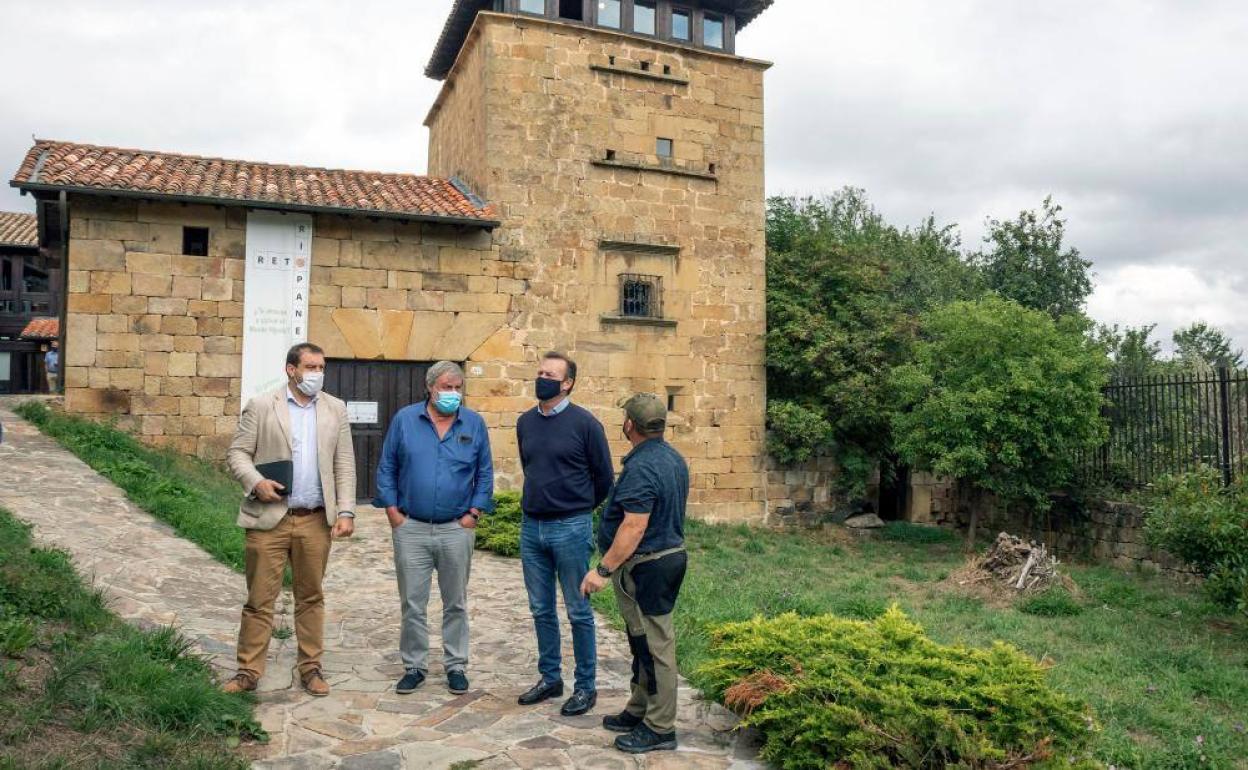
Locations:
362 412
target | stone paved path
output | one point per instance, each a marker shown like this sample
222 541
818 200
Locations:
153 576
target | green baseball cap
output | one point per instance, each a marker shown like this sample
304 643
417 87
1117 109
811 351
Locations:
647 411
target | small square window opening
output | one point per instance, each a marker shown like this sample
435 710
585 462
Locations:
610 154
195 241
663 148
641 296
645 66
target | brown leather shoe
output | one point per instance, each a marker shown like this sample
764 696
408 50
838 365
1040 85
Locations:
240 682
314 683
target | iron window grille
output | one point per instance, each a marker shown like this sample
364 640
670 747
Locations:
641 296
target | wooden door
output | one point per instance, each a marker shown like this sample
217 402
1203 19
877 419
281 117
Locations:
374 391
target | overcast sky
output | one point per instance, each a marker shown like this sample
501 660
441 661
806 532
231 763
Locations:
1132 113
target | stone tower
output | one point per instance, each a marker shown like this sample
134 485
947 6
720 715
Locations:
621 144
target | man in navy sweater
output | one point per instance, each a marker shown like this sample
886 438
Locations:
567 474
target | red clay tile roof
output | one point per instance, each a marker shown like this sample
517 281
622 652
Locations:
42 329
57 165
18 229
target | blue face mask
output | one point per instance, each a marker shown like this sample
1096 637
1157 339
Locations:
448 402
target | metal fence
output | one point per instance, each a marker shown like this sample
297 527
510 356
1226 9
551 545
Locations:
1174 423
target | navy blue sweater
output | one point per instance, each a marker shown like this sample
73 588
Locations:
566 461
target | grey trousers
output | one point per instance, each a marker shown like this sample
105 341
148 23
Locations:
420 549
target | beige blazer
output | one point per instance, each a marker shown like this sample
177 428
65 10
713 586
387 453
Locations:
263 436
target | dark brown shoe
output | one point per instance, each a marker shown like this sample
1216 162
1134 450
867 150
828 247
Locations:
314 683
240 682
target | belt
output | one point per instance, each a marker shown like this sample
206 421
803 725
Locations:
641 558
306 511
427 520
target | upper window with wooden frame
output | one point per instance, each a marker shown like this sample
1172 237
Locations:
682 24
535 7
645 17
713 31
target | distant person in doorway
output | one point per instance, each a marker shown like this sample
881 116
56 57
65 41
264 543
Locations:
435 481
567 474
52 365
305 430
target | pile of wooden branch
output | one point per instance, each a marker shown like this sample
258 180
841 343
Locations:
1013 563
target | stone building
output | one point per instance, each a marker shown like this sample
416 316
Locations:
595 186
29 304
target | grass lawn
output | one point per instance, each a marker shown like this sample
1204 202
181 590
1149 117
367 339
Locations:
1166 674
198 499
81 688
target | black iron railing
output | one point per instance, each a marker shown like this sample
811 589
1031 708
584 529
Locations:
1174 423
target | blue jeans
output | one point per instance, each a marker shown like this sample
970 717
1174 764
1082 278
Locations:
559 551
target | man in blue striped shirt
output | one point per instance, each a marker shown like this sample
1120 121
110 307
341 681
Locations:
435 480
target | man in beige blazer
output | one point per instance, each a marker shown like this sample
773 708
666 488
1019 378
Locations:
301 424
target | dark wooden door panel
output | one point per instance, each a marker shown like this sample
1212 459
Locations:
392 385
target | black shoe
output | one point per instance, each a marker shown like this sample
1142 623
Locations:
622 722
410 682
456 682
540 692
580 703
642 739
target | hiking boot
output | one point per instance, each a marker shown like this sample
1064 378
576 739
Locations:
622 722
642 739
314 683
240 682
457 682
410 682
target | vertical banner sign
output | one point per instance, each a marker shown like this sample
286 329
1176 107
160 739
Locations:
275 306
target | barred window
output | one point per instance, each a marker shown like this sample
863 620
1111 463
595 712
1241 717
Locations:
641 296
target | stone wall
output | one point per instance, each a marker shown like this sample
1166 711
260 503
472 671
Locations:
156 337
570 128
1104 531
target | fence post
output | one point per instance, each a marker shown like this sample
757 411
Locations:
1224 399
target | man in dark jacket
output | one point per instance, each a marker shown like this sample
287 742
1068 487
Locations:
567 474
642 540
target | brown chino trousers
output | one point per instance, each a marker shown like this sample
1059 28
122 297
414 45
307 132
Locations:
305 542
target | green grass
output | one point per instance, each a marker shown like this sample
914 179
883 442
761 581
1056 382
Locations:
1159 664
81 688
198 499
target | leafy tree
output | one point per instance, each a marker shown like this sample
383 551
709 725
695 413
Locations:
1132 351
1026 262
1001 396
1201 345
843 286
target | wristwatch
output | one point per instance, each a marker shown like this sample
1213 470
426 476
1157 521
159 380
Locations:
603 571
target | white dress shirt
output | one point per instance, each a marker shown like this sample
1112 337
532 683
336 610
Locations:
306 489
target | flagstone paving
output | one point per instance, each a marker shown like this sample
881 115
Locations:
152 576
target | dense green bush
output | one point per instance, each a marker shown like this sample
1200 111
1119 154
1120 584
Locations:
1196 519
1054 602
829 692
500 531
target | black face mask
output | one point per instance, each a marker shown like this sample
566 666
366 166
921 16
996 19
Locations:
548 389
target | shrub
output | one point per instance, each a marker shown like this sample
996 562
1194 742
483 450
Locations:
829 692
1206 526
916 534
500 531
1054 602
